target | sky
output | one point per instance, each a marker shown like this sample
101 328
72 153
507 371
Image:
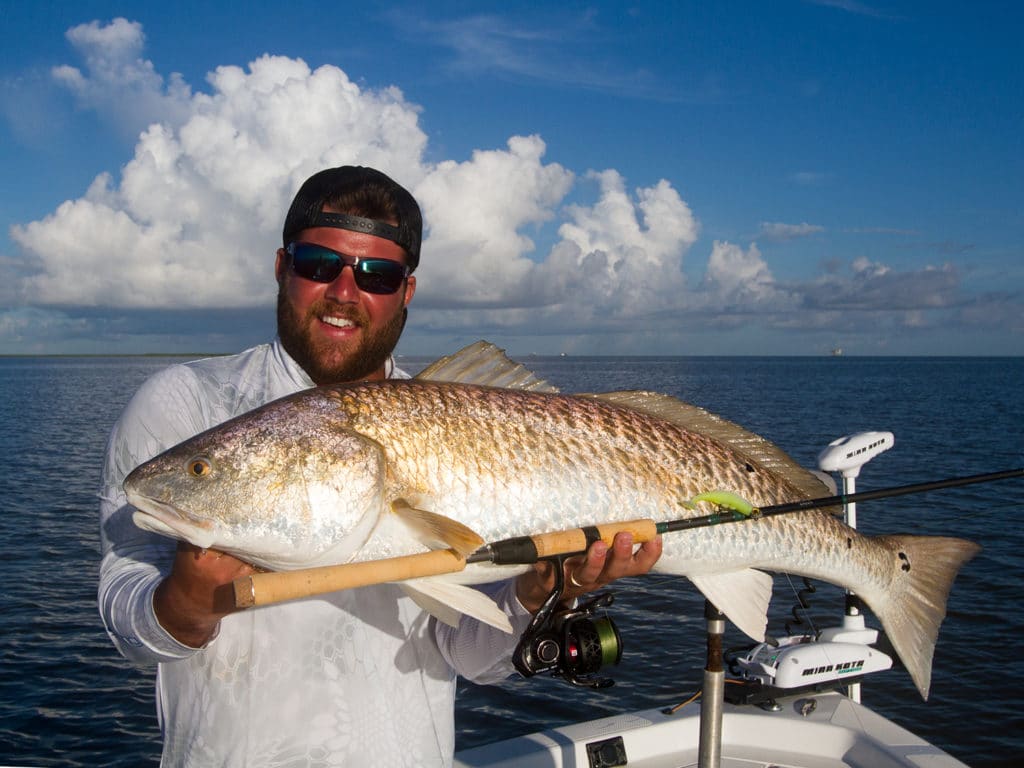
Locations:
648 178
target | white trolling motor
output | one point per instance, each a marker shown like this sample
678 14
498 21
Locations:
806 661
837 655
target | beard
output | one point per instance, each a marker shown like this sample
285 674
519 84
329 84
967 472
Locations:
329 363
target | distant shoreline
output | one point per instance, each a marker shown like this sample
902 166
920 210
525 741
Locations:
526 356
114 354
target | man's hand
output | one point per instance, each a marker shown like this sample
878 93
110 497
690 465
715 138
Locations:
598 568
198 594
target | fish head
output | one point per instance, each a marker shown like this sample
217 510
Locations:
282 487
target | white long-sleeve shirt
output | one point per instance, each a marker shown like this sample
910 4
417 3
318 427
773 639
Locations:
360 677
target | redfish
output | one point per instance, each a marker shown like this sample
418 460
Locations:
373 470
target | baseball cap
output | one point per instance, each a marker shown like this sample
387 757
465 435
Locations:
366 186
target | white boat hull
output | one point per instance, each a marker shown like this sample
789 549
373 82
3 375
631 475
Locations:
820 731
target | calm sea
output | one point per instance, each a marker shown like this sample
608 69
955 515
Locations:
66 697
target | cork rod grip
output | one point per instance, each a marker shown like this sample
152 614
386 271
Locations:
279 586
579 539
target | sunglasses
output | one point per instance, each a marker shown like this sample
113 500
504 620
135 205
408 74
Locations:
322 265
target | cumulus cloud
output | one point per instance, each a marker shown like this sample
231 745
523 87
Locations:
193 219
117 82
477 251
616 261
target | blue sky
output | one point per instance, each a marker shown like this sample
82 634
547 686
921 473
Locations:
602 178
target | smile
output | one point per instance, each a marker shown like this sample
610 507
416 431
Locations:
338 322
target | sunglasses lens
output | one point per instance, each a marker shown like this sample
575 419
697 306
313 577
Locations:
379 275
315 263
322 265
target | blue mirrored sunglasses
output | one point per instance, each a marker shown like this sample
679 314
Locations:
322 265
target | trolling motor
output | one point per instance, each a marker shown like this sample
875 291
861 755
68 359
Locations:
570 643
834 657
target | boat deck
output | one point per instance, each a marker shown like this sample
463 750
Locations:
821 731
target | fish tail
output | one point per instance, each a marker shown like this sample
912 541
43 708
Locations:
915 604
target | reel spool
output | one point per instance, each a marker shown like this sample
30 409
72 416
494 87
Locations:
571 644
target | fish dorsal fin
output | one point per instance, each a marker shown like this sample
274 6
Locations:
437 531
485 364
753 447
448 602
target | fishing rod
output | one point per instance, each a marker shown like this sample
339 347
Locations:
523 550
274 587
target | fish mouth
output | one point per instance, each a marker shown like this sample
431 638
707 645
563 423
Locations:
168 520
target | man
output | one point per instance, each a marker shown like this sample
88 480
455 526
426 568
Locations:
361 677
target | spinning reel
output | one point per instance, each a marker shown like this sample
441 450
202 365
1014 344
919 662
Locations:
569 643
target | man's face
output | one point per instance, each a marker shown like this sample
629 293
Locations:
335 331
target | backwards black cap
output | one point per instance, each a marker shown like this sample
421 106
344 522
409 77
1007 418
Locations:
368 191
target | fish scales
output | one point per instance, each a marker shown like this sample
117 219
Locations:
514 463
365 471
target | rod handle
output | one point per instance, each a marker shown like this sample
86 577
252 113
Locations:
279 586
530 549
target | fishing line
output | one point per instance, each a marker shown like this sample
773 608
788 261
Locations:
801 612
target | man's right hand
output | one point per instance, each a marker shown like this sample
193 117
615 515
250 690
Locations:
192 600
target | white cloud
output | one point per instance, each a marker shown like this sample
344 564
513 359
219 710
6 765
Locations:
629 254
545 45
618 260
739 276
775 230
864 267
117 82
193 219
476 251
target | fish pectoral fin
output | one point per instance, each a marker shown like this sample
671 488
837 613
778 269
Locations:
437 531
743 596
448 602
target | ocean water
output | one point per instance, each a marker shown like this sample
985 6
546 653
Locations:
68 699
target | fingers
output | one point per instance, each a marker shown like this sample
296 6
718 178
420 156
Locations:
192 599
208 567
588 573
599 567
647 555
603 565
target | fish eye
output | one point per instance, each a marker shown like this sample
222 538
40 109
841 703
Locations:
199 466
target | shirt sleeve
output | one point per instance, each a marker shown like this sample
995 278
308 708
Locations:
477 651
164 411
